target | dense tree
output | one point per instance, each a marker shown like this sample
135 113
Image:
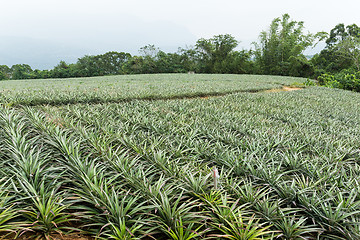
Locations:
149 51
169 63
188 58
2 76
349 49
281 46
134 65
149 54
88 66
341 50
111 63
339 33
237 62
22 71
213 52
5 72
61 70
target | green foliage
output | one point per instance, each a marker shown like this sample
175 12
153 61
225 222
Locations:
144 169
346 79
217 55
341 51
340 33
300 67
111 62
178 218
324 79
8 211
349 49
21 71
5 72
125 88
308 82
212 52
61 70
2 76
280 50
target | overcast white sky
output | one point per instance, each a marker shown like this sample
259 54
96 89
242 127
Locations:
43 32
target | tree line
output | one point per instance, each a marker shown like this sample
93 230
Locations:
279 51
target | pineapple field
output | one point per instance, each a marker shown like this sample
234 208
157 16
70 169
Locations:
178 156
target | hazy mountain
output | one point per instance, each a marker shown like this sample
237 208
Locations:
49 48
39 54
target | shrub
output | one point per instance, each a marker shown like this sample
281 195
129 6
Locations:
346 79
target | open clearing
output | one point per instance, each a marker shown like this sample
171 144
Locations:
128 157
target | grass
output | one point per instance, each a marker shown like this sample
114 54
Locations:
287 162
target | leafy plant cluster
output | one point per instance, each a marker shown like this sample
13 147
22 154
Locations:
145 169
346 79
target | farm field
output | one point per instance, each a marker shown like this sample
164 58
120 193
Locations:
128 87
178 156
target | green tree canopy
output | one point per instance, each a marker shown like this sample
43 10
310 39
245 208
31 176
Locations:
2 76
341 51
112 62
21 71
283 44
214 51
349 48
5 72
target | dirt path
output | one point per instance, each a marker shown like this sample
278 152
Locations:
283 89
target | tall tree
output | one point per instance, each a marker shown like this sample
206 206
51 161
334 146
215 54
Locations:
282 44
341 50
112 62
21 71
214 51
149 55
2 76
88 66
5 72
61 70
188 58
169 63
349 48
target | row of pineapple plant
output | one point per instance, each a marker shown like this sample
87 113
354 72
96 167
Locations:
125 88
328 167
148 169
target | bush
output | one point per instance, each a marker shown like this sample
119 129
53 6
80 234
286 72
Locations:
309 82
346 79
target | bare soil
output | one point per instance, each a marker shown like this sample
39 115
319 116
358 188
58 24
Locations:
283 89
